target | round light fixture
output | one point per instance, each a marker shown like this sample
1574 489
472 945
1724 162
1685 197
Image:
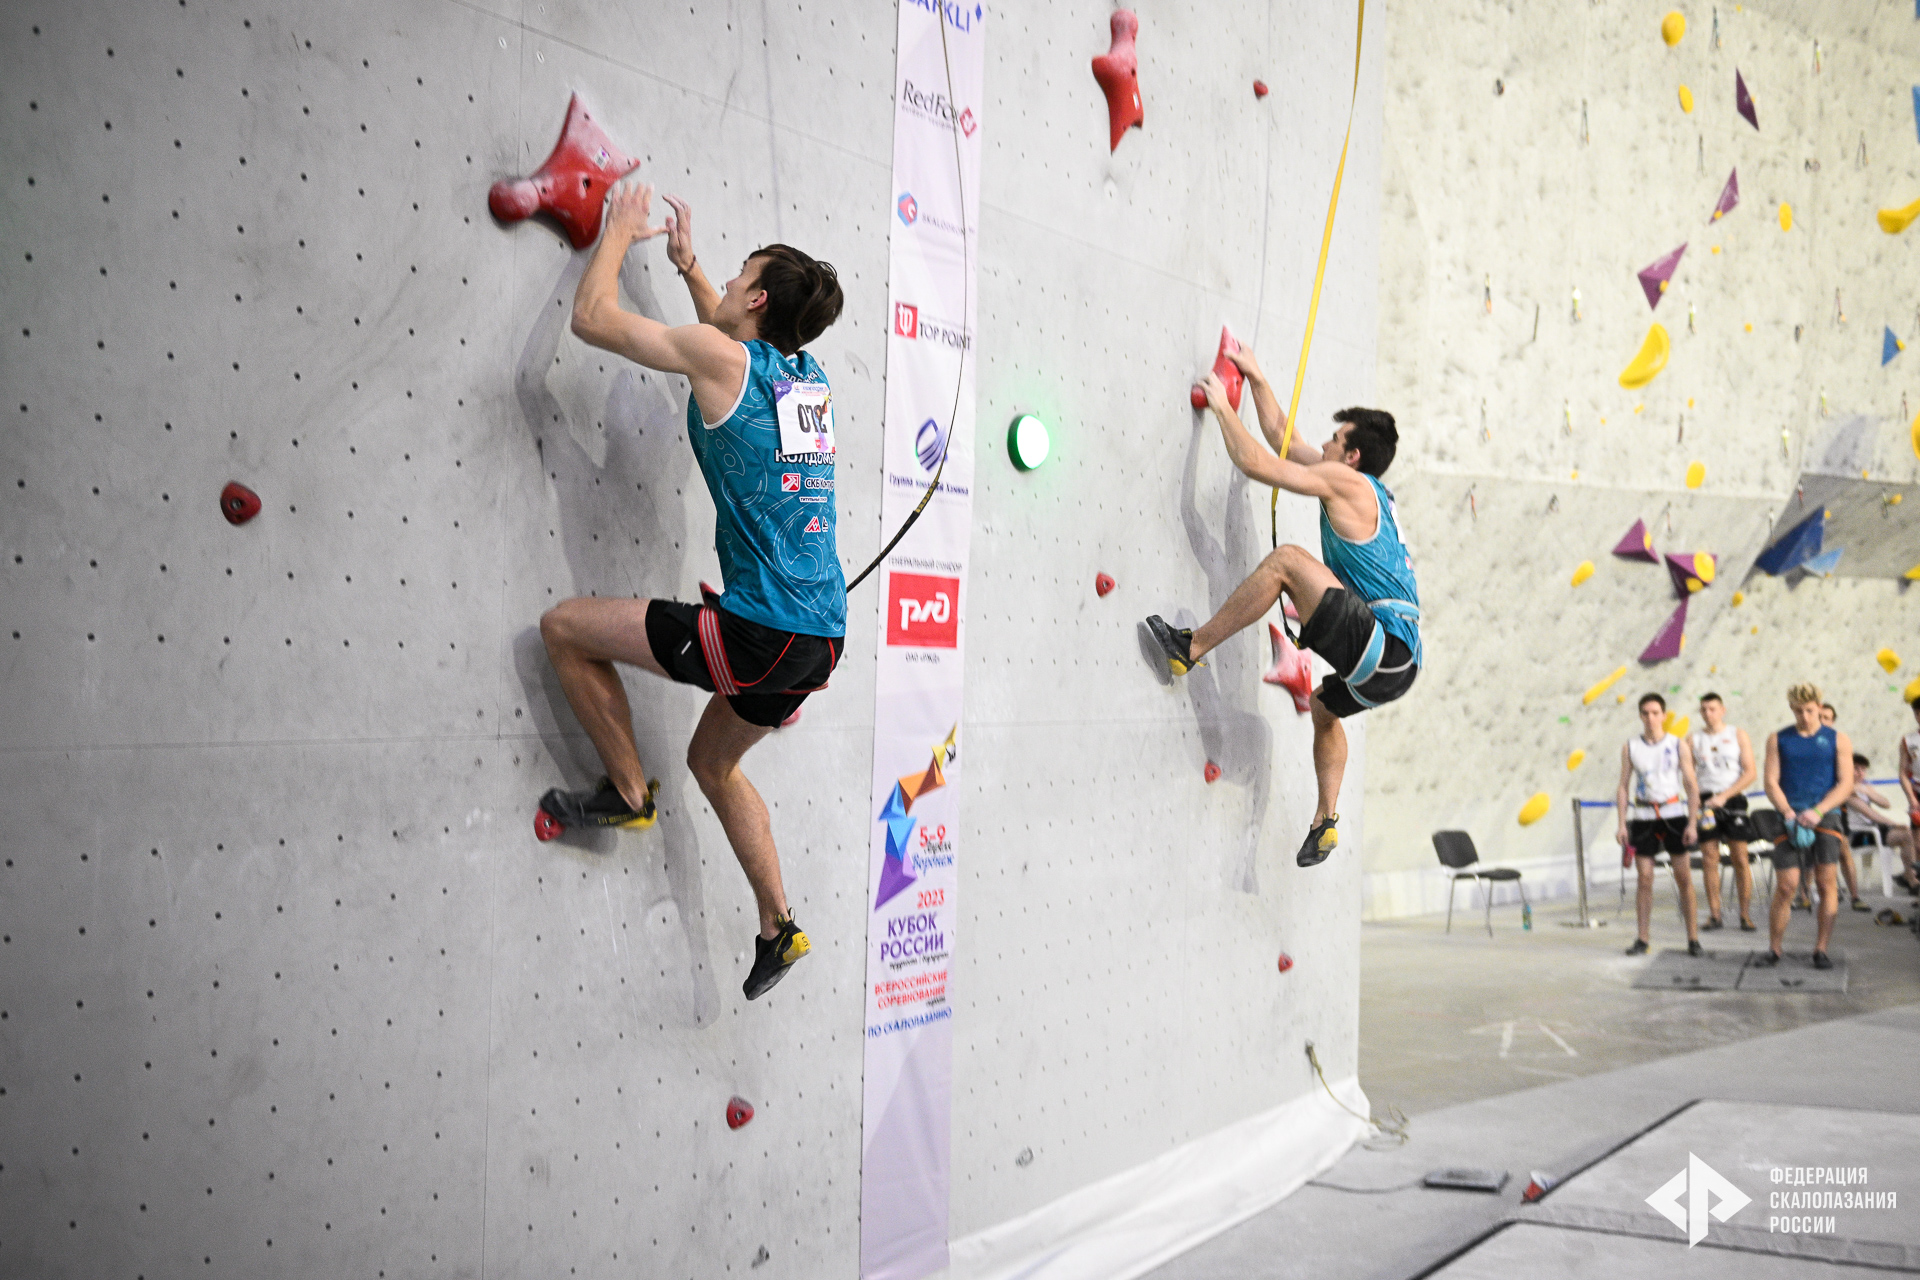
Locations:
1028 442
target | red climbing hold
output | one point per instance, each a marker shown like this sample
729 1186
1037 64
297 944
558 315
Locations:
1260 91
238 503
572 185
1286 962
1118 71
739 1111
545 826
1292 669
1227 371
1102 583
1213 772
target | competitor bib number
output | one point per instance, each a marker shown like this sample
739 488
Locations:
805 411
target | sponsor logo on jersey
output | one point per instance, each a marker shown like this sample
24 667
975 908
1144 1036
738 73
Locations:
814 526
922 611
790 482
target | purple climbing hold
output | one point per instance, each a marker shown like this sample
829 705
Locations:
1654 279
1729 196
1743 101
1637 545
1667 641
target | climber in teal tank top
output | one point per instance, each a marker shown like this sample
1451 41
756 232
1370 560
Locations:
1358 603
760 422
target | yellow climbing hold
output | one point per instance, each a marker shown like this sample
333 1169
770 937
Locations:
1582 572
1535 809
1619 697
1912 690
1686 99
1786 216
1696 474
1914 435
1594 693
1749 326
1673 28
1894 221
1739 598
1889 660
1575 760
1913 574
1716 248
1652 358
1676 724
1703 565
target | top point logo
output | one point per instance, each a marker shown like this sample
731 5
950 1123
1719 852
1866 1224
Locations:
908 208
1706 1192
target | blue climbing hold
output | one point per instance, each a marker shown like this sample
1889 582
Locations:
1797 546
1825 563
1890 346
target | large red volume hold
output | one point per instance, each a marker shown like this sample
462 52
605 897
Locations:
1118 71
238 503
1227 370
739 1111
572 185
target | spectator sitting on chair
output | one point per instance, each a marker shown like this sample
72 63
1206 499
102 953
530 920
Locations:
1723 759
1809 775
1868 806
1658 769
1910 787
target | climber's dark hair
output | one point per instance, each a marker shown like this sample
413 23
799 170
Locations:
803 296
1372 432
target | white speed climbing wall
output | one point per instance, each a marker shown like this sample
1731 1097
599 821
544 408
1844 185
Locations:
288 987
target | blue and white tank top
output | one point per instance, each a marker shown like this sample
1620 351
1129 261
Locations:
1379 570
1807 768
773 500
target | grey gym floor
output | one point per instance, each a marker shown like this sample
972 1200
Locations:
1588 1062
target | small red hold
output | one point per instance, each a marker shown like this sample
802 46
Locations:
1227 371
238 503
572 184
1260 88
1118 71
739 1111
1286 962
1102 583
545 826
1213 773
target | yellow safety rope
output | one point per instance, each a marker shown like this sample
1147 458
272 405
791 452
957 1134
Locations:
1320 272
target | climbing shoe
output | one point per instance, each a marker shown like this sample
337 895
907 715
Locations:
1639 948
772 957
1860 904
1322 840
1820 960
603 806
1177 645
1693 947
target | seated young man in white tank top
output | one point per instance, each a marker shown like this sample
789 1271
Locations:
1723 764
1657 803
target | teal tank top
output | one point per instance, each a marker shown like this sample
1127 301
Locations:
774 510
1807 769
1379 570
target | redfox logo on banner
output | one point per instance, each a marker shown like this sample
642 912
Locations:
923 611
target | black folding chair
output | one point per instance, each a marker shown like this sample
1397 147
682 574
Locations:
1459 856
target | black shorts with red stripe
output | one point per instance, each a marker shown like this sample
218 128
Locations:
764 674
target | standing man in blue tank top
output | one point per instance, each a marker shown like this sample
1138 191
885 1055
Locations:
760 422
1358 604
1809 777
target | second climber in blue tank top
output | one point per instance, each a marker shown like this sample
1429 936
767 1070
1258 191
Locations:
760 422
1358 604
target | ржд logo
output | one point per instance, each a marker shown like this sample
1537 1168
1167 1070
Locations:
1706 1192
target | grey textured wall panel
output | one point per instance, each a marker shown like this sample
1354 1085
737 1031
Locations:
387 1032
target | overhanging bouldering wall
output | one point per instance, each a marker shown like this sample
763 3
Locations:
1541 167
291 988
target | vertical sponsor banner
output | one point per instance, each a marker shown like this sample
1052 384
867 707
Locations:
918 745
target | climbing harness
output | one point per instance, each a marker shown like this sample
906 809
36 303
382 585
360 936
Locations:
1320 271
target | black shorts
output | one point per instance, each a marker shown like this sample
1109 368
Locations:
1341 630
765 674
1823 852
1650 837
1729 823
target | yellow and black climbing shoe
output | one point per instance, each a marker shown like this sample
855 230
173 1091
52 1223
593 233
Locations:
772 957
1177 645
603 806
1322 840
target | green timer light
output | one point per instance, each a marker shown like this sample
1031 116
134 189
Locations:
1027 442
